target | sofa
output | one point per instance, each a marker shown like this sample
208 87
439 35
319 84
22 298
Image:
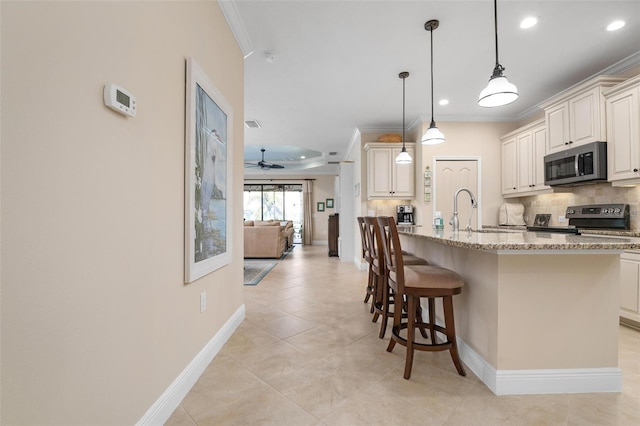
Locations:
267 239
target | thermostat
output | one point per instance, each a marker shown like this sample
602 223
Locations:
120 100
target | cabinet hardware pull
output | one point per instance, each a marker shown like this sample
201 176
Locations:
635 170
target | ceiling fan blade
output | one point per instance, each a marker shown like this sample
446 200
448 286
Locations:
264 165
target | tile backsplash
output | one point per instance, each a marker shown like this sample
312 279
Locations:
601 193
386 207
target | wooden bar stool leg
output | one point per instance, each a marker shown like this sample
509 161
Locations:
422 327
377 298
369 287
386 303
397 321
449 323
432 319
411 331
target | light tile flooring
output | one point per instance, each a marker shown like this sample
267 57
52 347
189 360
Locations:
308 354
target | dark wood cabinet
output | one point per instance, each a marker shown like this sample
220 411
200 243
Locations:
334 233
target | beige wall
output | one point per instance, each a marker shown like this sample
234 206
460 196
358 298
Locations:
468 139
96 320
323 188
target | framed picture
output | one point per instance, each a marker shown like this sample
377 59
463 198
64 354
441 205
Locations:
329 203
542 220
320 206
208 138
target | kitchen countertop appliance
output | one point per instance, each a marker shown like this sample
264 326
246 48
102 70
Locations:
613 217
404 215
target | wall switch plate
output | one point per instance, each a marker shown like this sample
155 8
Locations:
203 302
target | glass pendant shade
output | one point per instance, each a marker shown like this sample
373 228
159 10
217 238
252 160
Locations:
404 157
498 92
433 135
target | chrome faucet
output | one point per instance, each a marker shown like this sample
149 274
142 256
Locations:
454 217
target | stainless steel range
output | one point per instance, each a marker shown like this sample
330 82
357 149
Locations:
592 216
599 216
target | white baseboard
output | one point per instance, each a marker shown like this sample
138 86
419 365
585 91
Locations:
361 264
527 382
162 409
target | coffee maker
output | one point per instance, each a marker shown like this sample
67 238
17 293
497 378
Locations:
404 214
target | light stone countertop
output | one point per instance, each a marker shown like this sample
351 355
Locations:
618 233
518 240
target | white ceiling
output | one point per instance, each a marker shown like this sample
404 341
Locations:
335 63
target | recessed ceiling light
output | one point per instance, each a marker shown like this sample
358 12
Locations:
615 25
528 22
444 102
302 157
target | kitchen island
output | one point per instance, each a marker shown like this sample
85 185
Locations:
539 312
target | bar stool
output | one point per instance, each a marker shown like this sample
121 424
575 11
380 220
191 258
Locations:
414 282
366 255
383 296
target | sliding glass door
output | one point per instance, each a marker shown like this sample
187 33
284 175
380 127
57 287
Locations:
275 202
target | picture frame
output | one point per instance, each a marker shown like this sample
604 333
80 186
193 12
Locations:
542 220
208 175
320 206
329 203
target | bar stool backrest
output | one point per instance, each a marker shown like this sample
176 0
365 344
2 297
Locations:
363 237
375 245
392 252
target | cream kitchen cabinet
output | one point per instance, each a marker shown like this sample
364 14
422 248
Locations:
630 285
577 116
509 166
385 178
523 153
623 132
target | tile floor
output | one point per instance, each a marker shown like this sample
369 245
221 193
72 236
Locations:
308 354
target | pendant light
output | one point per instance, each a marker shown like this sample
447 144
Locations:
433 135
404 157
499 91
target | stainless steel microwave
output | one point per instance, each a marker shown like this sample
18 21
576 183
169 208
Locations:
576 166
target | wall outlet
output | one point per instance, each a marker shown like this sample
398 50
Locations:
203 302
562 219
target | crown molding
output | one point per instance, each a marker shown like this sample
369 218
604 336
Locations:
232 16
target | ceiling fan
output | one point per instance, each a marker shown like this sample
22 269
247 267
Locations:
264 165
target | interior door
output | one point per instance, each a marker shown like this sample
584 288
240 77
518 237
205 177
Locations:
452 175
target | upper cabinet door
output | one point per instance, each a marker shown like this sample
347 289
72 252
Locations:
509 166
585 119
539 135
379 173
557 118
403 176
623 134
525 172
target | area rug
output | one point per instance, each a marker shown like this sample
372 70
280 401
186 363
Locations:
256 270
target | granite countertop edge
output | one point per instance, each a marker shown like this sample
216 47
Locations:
527 241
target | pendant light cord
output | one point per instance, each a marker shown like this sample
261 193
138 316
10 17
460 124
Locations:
432 121
403 80
495 20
